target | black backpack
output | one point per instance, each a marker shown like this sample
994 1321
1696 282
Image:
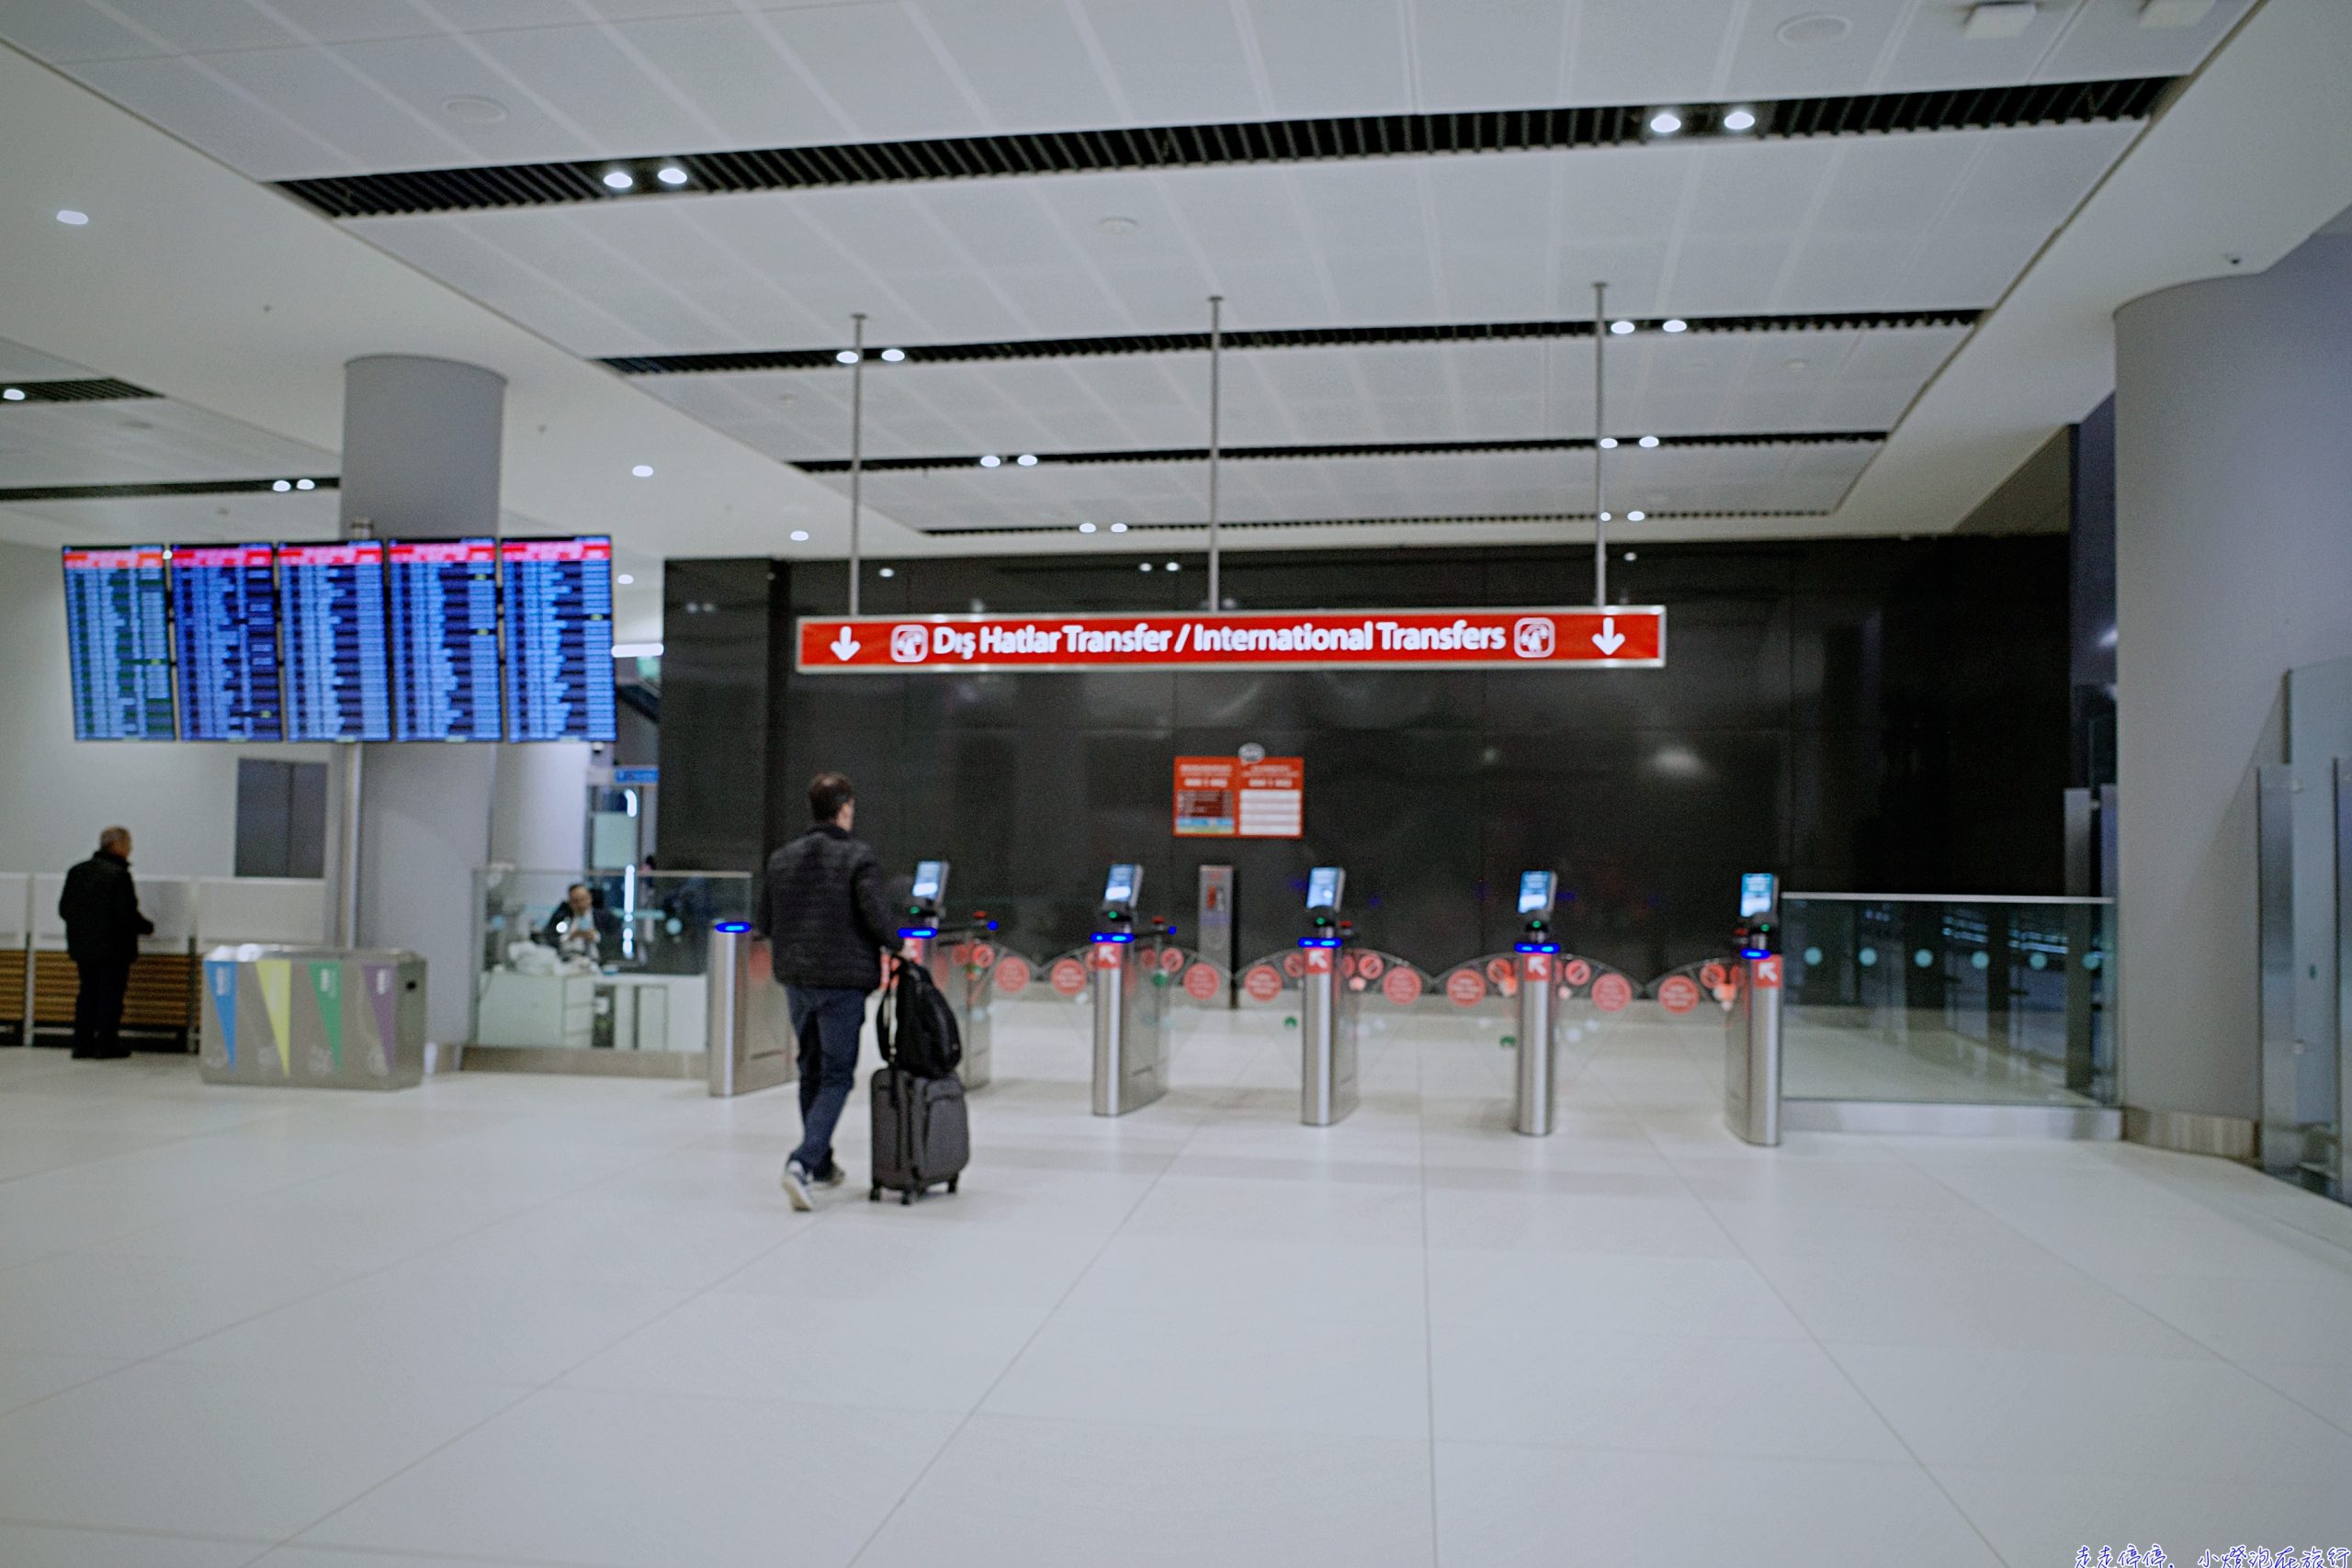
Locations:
916 1029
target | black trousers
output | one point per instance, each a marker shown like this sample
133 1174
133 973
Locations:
98 1009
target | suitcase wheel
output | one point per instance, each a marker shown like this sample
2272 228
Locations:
951 1184
905 1199
874 1194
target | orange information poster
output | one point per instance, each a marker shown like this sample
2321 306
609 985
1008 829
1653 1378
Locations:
1224 797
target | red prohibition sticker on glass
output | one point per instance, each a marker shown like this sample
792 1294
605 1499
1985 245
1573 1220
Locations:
1013 975
1293 965
1401 986
1497 970
1171 959
983 955
1348 965
1575 971
1262 984
1067 976
960 955
1677 993
1370 964
1611 993
1465 987
1200 982
1711 975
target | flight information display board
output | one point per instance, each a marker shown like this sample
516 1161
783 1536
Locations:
118 637
224 619
443 632
337 683
559 601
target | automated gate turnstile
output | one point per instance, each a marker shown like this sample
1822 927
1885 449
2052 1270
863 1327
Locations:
1326 1011
1539 965
1130 1002
1752 1030
931 943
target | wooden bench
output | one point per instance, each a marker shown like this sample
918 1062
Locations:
162 997
12 994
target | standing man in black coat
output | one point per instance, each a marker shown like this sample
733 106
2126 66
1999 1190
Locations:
103 925
827 926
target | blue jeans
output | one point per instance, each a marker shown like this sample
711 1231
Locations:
828 1022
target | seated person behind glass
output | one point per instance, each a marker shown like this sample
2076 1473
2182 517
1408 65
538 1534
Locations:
581 927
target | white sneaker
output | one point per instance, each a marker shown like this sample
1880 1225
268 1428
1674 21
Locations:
795 1186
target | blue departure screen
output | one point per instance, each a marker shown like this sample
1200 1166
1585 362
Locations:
224 617
117 634
337 685
443 632
558 602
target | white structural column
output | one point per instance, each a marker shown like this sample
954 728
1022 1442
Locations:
421 440
2233 565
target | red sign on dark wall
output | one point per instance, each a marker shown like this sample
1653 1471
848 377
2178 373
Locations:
1628 636
1224 797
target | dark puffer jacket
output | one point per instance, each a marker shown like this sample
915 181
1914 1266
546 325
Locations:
823 913
100 907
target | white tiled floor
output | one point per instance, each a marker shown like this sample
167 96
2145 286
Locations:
528 1321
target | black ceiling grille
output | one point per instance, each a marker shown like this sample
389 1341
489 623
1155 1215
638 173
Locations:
179 487
1384 449
1201 527
1206 146
102 388
1288 337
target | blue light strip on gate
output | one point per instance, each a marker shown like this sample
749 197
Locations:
732 927
1319 941
1539 947
1755 953
918 930
1112 936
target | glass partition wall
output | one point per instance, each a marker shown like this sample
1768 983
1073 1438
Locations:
1948 1000
603 960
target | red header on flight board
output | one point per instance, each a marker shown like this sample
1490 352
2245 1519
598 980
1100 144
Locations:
221 555
592 547
1626 636
356 552
118 561
442 552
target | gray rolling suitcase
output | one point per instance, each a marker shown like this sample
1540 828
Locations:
922 1138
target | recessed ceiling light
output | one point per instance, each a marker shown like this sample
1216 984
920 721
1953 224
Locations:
305 484
1145 566
1666 122
1027 459
800 535
1609 444
671 175
71 218
1740 119
281 484
1621 327
888 571
12 394
619 179
644 470
1175 566
1118 225
1635 518
1086 527
625 579
474 110
845 356
990 460
1673 324
1647 441
892 356
1998 19
1630 555
1608 516
1815 26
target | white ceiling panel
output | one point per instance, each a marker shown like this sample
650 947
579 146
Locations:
1344 59
1177 62
1521 389
1884 223
139 441
19 363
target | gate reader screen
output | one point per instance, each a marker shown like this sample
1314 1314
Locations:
1124 883
931 875
1323 885
1755 894
1535 891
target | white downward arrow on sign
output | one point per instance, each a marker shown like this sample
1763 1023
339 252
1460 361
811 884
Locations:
1608 639
844 646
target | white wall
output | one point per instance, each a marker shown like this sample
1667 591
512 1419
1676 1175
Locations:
179 801
2233 565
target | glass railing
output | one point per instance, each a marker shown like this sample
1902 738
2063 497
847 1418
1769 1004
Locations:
622 968
1951 999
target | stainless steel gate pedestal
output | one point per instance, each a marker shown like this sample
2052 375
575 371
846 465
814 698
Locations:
1752 1052
1327 1019
1534 1112
749 1040
1130 1023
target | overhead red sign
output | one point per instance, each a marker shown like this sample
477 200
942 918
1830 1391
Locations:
1224 797
1624 636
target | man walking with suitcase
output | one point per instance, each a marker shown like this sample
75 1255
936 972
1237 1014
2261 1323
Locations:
828 927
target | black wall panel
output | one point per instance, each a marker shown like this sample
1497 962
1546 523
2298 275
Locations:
1862 714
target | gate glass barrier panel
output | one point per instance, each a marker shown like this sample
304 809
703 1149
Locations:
1954 1001
629 973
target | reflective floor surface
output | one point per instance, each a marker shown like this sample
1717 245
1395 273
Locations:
523 1320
